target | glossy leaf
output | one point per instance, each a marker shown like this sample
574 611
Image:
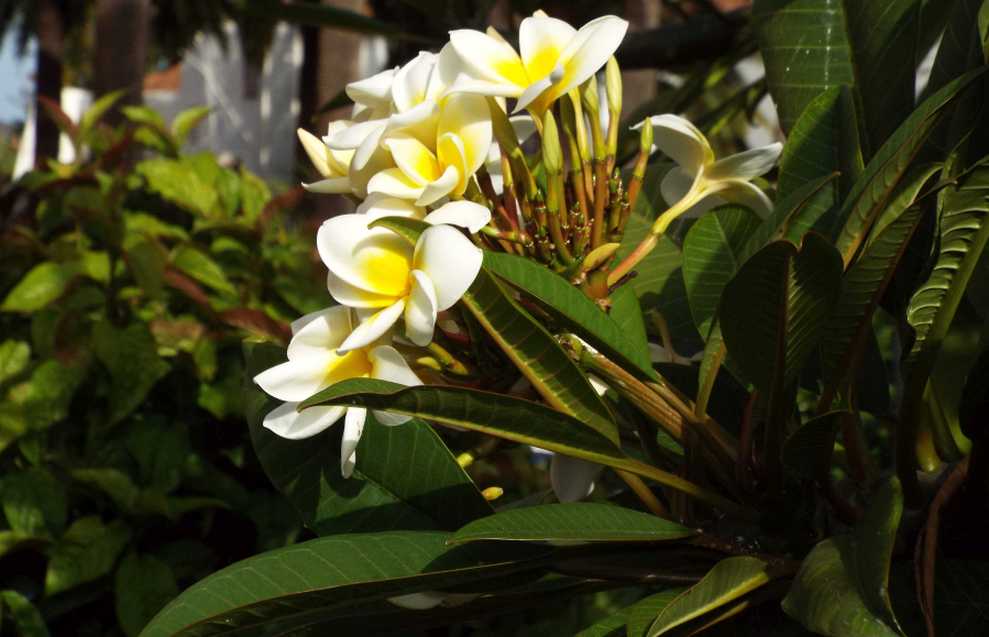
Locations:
571 306
384 493
627 314
573 522
638 616
779 304
729 580
807 451
841 589
793 216
712 253
505 417
308 583
887 169
537 355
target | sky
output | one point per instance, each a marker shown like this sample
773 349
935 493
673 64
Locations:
16 78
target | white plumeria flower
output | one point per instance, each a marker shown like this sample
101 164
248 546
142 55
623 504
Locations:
426 173
699 182
554 58
314 363
463 214
332 165
377 271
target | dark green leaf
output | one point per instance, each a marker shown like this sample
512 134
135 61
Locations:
503 416
642 614
142 587
87 550
572 522
842 587
712 253
779 303
34 502
571 306
807 451
131 357
729 580
26 619
309 583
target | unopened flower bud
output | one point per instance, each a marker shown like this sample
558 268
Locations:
552 152
645 137
613 84
492 493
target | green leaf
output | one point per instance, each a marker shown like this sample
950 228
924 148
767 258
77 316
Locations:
807 451
884 173
793 216
95 113
382 494
41 400
202 268
43 284
961 605
574 522
729 580
627 314
806 50
537 355
142 586
311 582
147 262
961 48
963 236
823 141
14 357
842 588
659 280
34 502
131 357
179 183
87 551
779 303
503 416
638 616
571 306
712 253
846 334
26 618
187 120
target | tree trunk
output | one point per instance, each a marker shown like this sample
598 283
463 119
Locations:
120 50
51 42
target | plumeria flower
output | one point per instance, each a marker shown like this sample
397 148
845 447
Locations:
314 363
376 270
332 165
463 214
699 182
554 58
425 172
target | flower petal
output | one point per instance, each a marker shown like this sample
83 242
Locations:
542 40
409 86
676 184
469 118
367 147
296 380
353 136
418 601
448 182
572 478
448 68
388 364
680 140
373 327
320 331
450 261
746 165
748 195
420 311
374 90
472 86
531 92
373 259
333 186
462 213
353 427
353 296
316 150
286 421
489 58
415 160
394 183
378 205
588 51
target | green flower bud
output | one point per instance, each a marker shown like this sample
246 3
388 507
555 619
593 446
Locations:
552 152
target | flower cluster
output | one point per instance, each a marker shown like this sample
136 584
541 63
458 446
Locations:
441 140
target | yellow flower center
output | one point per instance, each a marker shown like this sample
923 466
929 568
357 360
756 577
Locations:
353 364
